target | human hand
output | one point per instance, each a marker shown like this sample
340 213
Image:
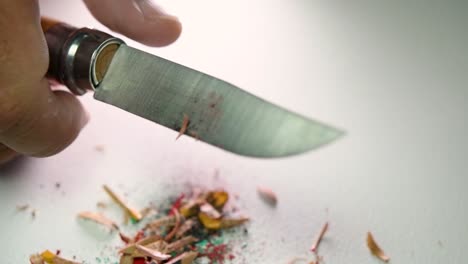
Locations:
34 120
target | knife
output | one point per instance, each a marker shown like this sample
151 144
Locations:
177 97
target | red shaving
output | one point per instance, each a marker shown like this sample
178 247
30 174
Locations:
124 238
139 261
140 235
177 204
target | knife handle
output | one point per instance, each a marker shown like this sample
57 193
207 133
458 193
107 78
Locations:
78 57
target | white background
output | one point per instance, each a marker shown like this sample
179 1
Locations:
393 74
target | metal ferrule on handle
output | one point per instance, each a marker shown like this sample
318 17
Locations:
79 57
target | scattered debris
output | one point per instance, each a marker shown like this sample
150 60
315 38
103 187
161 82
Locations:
183 128
267 195
375 249
317 241
188 229
99 218
33 214
101 205
133 213
58 185
99 148
439 242
23 207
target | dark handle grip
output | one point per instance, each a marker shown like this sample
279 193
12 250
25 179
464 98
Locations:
78 57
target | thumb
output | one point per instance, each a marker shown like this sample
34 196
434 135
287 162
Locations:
140 20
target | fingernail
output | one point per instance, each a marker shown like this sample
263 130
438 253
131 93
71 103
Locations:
149 9
84 118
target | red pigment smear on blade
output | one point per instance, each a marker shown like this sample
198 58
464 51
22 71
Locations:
177 204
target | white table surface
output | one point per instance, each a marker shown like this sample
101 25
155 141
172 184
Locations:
393 74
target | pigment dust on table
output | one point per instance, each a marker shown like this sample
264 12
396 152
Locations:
189 230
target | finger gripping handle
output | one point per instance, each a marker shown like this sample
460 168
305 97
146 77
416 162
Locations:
78 57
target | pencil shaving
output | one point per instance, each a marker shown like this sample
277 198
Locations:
153 253
183 128
98 218
375 248
319 238
267 195
185 227
134 214
181 243
184 258
129 249
176 226
210 211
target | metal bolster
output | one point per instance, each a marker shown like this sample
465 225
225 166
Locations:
76 63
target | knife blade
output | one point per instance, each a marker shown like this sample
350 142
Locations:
170 94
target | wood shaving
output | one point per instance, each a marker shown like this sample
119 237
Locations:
36 259
135 214
174 246
159 245
216 224
233 222
153 253
317 241
267 195
183 128
129 249
190 209
217 198
184 258
98 218
126 259
210 211
148 211
125 238
185 227
176 225
33 214
375 249
169 220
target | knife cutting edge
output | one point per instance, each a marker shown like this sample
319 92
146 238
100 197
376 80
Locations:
168 93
